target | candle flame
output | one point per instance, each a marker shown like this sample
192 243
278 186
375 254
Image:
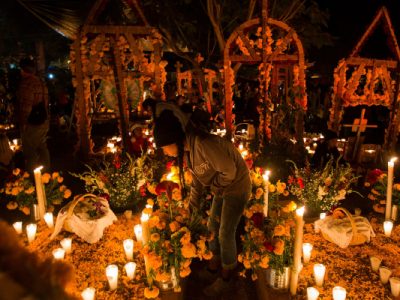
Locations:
300 211
145 217
38 169
393 159
266 175
170 175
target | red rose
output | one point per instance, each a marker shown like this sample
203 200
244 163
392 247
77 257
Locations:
300 182
257 219
249 163
268 246
117 162
142 190
166 187
169 165
373 176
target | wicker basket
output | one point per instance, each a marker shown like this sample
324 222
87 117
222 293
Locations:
71 208
357 238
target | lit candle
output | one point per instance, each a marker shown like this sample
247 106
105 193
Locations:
375 263
67 245
128 247
387 228
298 242
312 293
88 293
130 269
144 220
18 227
322 216
339 293
266 191
169 176
240 147
40 193
389 188
395 286
319 274
384 274
112 276
48 218
31 232
307 248
138 232
59 254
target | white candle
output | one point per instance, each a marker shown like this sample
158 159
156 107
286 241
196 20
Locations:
266 191
48 218
389 188
307 248
384 274
18 227
312 293
67 245
387 228
128 247
395 286
138 232
31 232
112 276
130 269
298 242
40 193
322 216
375 263
319 274
88 293
144 220
339 293
240 147
59 254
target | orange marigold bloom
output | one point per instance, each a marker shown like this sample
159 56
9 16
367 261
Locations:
279 246
174 226
279 230
12 205
162 277
16 171
15 191
62 188
26 175
67 193
155 237
147 211
184 272
264 262
185 239
60 179
46 178
161 225
30 190
188 250
55 175
150 201
151 293
26 210
176 195
208 255
153 221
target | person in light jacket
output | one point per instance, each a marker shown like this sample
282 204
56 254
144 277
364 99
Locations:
215 163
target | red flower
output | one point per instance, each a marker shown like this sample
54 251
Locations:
169 165
300 182
268 246
373 176
258 219
166 187
142 190
117 162
249 163
105 196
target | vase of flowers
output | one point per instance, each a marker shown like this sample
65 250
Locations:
277 279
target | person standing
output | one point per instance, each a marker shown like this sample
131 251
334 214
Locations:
33 116
217 164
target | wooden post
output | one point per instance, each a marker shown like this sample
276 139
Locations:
178 66
157 71
41 60
264 21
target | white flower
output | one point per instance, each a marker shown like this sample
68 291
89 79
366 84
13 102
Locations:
321 192
341 195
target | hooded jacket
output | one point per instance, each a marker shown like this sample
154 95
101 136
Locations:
217 164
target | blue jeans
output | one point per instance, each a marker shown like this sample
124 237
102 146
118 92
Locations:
224 218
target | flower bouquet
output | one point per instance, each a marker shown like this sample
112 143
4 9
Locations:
267 242
20 191
176 237
119 181
321 190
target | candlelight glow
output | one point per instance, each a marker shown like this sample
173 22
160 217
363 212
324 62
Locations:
112 276
312 293
31 232
67 245
319 274
59 254
339 293
18 227
130 269
307 248
128 247
145 217
322 216
300 211
266 175
88 293
138 232
48 218
387 228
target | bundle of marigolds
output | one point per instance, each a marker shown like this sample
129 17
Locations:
20 191
322 190
267 242
176 237
376 180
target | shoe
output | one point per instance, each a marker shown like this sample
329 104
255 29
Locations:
205 275
219 287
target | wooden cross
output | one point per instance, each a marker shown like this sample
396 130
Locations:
359 126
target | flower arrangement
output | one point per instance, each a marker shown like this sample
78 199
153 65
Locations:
20 191
322 190
120 181
176 236
267 242
376 180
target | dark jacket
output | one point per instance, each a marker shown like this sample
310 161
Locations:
217 164
323 154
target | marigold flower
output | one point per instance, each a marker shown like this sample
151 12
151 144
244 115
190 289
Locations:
207 255
176 195
151 293
174 226
46 178
279 246
30 190
184 272
185 239
26 175
259 193
328 181
279 230
147 211
26 210
254 276
55 175
188 250
188 177
290 207
60 179
285 193
67 193
153 221
155 261
162 276
150 201
62 188
152 189
264 261
280 187
16 171
12 205
155 237
246 263
271 188
15 191
161 225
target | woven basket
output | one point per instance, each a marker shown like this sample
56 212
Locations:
71 208
357 238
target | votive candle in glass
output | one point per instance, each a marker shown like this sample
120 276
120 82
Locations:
18 227
395 286
31 232
48 218
387 228
307 248
319 274
59 254
384 274
339 293
375 263
130 269
88 293
138 232
322 216
128 247
67 245
312 293
112 276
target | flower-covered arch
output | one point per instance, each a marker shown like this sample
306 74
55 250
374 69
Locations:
274 46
